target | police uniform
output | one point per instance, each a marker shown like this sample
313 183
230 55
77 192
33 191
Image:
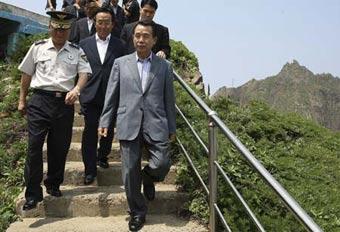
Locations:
53 74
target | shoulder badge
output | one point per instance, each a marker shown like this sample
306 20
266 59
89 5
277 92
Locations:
83 56
40 42
74 45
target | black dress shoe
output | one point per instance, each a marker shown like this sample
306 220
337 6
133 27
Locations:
30 204
102 164
89 179
149 191
136 223
54 191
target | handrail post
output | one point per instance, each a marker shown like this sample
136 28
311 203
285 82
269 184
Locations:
212 173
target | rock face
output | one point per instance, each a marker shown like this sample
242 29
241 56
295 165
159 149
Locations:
294 89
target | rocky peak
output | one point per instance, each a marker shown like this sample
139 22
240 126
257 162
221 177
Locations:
294 70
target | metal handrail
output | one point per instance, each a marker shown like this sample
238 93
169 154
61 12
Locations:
193 130
289 201
193 166
239 196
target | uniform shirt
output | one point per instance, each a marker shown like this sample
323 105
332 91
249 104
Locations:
102 46
54 70
144 66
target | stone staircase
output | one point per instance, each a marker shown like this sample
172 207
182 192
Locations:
101 206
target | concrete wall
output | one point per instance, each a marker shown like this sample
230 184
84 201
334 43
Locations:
16 23
24 13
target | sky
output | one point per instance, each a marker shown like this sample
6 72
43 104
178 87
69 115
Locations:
239 40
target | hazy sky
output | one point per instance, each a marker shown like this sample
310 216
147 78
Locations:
237 40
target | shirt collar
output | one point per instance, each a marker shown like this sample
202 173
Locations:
106 40
50 45
149 58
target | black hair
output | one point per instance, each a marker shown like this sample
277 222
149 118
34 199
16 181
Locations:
152 3
105 10
146 24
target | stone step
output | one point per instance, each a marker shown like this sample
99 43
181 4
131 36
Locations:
77 107
74 174
77 134
78 120
154 223
74 153
93 201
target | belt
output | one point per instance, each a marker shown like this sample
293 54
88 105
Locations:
57 94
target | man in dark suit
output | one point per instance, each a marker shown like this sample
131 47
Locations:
101 50
131 10
77 9
140 95
84 27
147 13
119 16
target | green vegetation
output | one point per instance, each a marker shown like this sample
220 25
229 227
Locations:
13 135
184 61
12 144
303 156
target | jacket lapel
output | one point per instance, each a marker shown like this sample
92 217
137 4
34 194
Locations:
95 49
134 70
110 50
153 71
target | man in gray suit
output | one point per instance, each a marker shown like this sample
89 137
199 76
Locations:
140 96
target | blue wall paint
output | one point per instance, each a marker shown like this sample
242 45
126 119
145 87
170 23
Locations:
27 25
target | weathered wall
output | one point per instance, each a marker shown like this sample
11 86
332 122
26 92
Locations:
14 10
15 23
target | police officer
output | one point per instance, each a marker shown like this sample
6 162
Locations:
50 68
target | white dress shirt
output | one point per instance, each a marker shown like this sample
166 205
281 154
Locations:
89 24
102 46
115 9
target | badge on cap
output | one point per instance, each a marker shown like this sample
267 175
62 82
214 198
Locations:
60 19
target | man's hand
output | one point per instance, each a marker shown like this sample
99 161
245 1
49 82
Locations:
22 107
72 96
161 54
102 132
172 137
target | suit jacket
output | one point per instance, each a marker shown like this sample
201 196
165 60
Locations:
119 18
132 6
77 13
95 88
153 110
120 21
80 31
162 42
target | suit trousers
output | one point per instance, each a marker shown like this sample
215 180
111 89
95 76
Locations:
47 116
156 170
89 142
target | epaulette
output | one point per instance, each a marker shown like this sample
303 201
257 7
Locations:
74 45
40 42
